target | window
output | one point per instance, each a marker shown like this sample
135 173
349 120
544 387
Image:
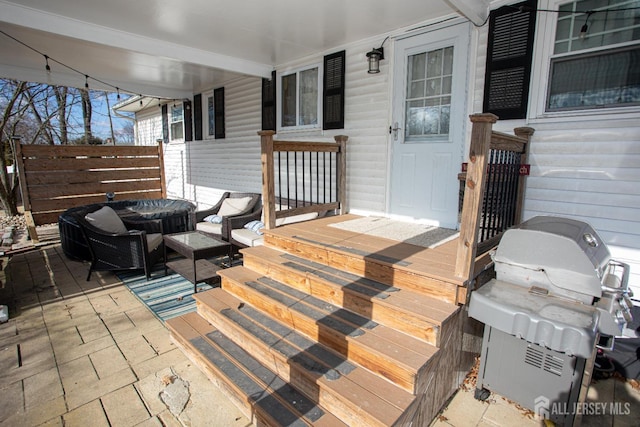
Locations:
599 68
211 123
176 123
299 98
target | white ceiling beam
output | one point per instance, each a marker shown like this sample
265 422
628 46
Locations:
57 24
476 11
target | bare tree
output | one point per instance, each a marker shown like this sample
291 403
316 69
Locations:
61 98
9 184
86 114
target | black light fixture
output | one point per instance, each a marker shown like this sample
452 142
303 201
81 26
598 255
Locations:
375 56
585 27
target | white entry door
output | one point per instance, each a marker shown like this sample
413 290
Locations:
428 125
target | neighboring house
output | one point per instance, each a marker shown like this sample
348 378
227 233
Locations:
408 125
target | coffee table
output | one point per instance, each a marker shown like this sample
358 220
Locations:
195 247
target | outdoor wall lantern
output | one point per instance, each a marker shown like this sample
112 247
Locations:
375 56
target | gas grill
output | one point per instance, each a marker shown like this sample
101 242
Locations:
557 297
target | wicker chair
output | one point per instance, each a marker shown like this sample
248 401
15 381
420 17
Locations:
254 206
140 247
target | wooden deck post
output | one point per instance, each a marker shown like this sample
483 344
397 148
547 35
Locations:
163 183
268 185
474 190
522 132
341 140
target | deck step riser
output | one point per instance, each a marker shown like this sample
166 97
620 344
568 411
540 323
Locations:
330 387
345 345
372 307
378 270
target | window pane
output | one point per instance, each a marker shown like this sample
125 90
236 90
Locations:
289 100
428 100
596 81
176 123
211 117
309 97
176 114
607 25
176 131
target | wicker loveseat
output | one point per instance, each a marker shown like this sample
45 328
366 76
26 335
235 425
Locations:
174 216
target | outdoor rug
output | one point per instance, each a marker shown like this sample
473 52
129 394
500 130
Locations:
166 296
417 234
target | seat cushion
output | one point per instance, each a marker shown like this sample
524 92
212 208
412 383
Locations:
247 237
153 241
107 220
233 206
208 227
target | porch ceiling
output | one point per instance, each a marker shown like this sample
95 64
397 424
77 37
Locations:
174 49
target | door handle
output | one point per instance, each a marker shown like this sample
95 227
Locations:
395 128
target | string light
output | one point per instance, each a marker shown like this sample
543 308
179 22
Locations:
585 27
47 58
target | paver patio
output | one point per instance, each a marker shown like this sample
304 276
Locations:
78 353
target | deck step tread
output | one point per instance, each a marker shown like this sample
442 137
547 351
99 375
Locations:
292 346
438 311
386 351
268 394
381 265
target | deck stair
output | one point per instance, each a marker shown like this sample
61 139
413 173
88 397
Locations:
319 330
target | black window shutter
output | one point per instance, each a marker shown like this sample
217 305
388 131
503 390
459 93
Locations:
333 91
165 123
269 103
197 117
187 120
218 112
509 54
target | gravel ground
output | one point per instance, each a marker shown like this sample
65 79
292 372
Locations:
17 221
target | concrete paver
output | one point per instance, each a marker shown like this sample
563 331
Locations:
124 407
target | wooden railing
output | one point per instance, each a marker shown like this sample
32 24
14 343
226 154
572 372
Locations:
302 177
494 185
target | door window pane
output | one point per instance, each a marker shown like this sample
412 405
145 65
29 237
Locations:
428 97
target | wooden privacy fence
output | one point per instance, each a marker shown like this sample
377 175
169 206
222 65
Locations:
493 189
302 177
54 178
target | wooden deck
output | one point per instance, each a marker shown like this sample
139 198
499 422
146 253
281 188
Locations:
322 326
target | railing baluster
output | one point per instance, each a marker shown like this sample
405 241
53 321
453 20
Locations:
279 176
